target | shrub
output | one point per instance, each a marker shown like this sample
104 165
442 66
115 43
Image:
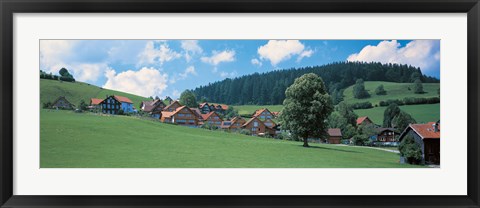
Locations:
380 90
364 105
47 105
121 112
208 126
410 150
245 132
361 140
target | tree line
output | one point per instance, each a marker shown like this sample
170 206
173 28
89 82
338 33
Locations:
269 88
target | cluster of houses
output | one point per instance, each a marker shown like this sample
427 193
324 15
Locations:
261 122
427 135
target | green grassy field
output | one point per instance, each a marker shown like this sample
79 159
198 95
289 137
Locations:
76 140
421 113
50 90
250 109
394 91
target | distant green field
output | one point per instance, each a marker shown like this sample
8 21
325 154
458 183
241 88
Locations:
84 140
250 109
421 113
50 90
394 91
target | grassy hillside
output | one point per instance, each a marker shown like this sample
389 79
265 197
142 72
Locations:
421 113
50 90
394 91
76 140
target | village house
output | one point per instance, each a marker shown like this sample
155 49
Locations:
263 114
234 124
212 118
384 136
204 108
334 136
62 103
364 120
173 106
114 103
153 107
221 108
428 137
255 126
269 123
198 113
95 103
181 116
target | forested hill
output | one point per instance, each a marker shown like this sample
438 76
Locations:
269 88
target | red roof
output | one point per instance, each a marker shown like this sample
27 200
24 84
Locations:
168 114
260 111
202 104
122 99
426 131
224 107
206 116
95 101
362 119
335 132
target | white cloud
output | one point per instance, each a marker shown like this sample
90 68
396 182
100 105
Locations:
228 75
191 47
306 53
256 62
157 52
219 57
418 53
277 51
145 82
189 70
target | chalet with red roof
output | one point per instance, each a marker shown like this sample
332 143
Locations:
173 106
428 137
334 136
212 118
255 126
363 120
263 114
181 116
234 124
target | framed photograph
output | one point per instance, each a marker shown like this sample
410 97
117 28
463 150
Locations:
246 104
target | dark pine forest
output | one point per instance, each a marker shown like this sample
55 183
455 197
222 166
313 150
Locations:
269 88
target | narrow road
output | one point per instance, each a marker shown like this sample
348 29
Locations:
386 150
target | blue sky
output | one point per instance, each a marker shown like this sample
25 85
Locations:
167 67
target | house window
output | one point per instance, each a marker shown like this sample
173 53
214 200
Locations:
255 124
254 129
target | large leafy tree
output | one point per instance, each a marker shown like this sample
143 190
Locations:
306 108
188 98
402 120
346 111
418 87
359 90
390 113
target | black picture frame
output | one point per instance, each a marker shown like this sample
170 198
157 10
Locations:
10 7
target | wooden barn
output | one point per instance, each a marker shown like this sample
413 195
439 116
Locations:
428 137
334 136
62 103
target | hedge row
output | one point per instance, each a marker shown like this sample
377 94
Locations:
411 101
